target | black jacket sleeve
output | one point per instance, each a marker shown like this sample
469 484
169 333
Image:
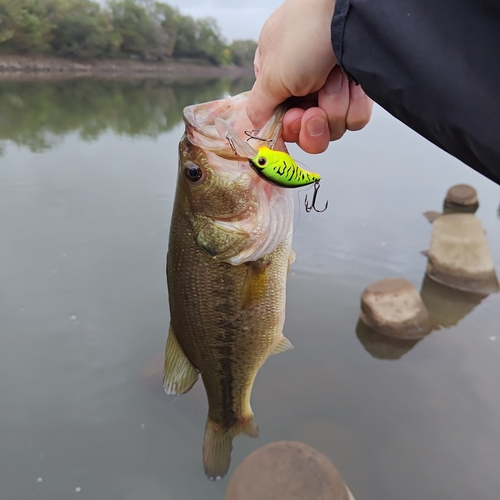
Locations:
434 65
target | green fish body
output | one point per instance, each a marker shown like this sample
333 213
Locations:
227 264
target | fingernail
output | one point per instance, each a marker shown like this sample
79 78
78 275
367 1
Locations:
333 84
357 92
295 126
316 126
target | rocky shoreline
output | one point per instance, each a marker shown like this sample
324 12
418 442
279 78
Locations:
49 67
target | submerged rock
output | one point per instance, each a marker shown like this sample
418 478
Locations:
459 255
461 198
394 307
287 470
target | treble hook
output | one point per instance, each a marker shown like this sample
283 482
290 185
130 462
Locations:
313 204
249 134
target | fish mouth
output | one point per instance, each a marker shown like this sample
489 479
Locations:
201 128
257 228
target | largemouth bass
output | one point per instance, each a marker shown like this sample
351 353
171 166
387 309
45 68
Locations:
227 263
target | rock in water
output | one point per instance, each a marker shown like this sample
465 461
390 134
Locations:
459 255
394 307
287 470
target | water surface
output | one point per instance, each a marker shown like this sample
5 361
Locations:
87 178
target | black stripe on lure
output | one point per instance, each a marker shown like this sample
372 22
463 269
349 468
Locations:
276 167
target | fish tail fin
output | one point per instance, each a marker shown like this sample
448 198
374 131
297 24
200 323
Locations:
218 444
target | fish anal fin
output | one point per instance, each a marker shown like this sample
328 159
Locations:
254 286
179 374
283 345
218 444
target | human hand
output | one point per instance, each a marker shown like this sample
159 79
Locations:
295 61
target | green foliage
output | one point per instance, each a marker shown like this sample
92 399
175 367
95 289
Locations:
134 26
83 30
167 25
125 28
201 39
243 52
26 25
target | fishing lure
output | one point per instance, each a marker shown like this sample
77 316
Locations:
281 169
276 167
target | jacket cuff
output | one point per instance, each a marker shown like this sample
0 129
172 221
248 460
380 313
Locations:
337 30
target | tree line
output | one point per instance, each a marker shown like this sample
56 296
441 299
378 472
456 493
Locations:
144 29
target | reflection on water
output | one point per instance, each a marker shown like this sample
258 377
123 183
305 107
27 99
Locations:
84 228
36 114
381 346
447 306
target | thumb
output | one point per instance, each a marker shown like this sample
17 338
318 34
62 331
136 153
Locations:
262 102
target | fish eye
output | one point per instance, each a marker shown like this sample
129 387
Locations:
261 161
193 172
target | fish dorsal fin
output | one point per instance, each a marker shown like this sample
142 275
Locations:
238 145
179 374
283 345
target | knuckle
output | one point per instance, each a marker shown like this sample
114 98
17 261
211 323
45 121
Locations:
357 124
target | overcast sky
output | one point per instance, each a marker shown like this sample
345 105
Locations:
238 19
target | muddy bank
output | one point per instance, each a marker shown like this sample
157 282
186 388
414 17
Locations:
47 67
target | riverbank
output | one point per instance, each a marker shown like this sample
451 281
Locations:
49 67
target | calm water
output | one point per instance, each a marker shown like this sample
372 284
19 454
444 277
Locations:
87 177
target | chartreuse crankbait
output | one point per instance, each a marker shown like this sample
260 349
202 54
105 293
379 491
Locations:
281 169
277 167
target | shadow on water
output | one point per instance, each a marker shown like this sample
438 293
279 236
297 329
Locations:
35 114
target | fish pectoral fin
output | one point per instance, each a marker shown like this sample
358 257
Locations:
179 374
218 444
283 345
254 286
220 239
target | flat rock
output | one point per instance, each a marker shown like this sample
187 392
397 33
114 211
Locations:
287 470
394 307
459 255
462 197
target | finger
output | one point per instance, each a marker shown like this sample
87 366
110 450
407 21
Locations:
314 135
291 124
360 108
256 63
333 98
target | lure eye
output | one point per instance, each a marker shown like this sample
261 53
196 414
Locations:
261 161
192 172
